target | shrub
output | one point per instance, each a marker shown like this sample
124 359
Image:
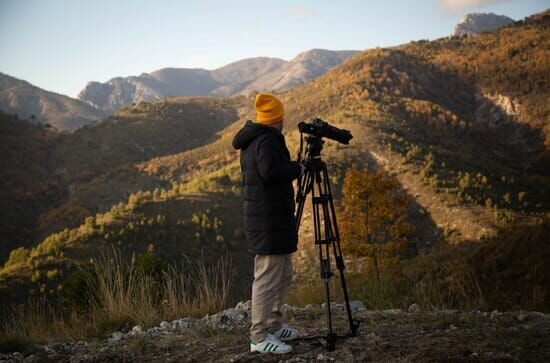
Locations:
18 255
52 274
78 290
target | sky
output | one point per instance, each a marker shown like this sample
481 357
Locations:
61 45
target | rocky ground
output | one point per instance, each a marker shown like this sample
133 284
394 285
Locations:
384 336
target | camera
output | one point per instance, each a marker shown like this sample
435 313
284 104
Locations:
320 128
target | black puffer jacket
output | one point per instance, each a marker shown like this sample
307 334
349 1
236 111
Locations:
268 194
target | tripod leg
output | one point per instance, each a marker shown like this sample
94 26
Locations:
304 186
324 253
330 215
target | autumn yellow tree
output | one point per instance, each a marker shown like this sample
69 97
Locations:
374 223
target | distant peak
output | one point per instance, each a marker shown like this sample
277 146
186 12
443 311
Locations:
477 23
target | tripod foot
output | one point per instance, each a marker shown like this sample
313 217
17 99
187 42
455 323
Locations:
329 342
354 327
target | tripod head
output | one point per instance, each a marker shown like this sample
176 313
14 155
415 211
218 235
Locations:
316 130
312 156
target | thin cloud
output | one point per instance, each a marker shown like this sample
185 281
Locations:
300 12
204 6
455 5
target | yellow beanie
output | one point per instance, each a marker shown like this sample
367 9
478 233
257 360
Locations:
269 109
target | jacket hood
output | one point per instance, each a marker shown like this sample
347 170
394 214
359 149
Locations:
249 132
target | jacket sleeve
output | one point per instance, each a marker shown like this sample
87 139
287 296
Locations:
271 166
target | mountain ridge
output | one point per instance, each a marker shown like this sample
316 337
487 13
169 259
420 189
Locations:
242 76
45 107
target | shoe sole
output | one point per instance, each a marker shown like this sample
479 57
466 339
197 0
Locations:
275 352
278 353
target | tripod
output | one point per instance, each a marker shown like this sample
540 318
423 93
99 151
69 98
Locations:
315 180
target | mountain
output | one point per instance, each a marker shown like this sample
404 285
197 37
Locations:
477 23
301 69
242 76
27 101
462 123
119 92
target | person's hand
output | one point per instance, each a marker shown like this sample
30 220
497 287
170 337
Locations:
303 169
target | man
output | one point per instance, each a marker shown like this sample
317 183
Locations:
269 221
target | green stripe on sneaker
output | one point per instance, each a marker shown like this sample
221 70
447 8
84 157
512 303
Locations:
267 346
274 348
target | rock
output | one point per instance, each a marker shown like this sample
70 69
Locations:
244 305
531 315
324 358
289 308
392 311
333 306
237 314
521 316
184 323
294 360
452 327
494 314
154 331
536 315
357 305
496 109
136 330
477 23
228 318
414 308
116 336
165 325
312 306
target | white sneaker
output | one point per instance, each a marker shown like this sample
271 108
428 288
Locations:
271 344
285 333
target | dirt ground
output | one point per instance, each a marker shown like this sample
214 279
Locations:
384 336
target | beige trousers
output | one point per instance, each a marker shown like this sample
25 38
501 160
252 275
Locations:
272 279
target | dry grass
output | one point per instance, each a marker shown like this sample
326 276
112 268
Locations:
431 284
204 290
122 296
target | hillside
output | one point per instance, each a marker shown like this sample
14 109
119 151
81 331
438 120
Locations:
30 102
252 74
463 123
70 176
26 192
